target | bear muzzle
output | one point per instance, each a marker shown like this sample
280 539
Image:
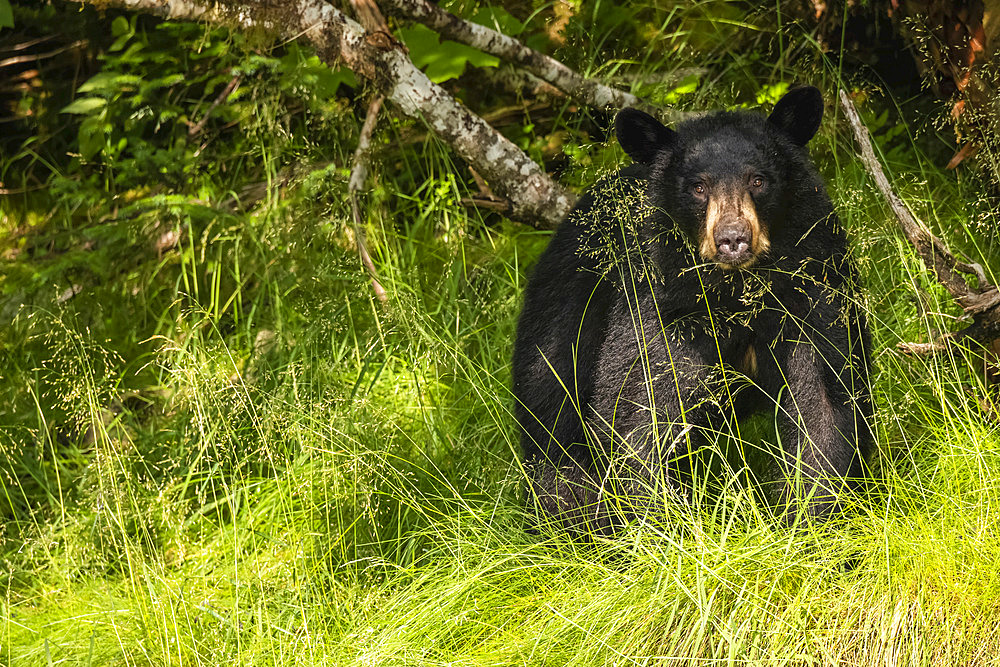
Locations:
732 243
733 236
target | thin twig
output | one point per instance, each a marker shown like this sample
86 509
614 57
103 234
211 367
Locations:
31 57
359 174
371 19
492 203
485 197
223 96
21 46
924 349
484 188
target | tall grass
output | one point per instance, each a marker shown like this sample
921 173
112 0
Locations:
303 476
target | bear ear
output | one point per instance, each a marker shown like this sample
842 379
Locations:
798 114
641 135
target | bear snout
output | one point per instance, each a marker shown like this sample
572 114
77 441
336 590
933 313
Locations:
732 236
732 243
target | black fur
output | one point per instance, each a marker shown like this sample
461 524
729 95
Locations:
631 343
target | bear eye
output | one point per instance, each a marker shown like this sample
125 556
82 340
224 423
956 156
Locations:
698 189
757 182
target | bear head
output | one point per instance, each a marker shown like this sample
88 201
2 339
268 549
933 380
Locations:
727 179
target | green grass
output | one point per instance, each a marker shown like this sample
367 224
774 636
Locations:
230 453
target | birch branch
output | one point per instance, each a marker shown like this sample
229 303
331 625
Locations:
980 303
589 91
535 198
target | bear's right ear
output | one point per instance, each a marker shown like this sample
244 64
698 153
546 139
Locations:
641 135
798 114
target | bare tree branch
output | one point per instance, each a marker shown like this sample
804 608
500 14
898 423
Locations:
980 303
369 16
222 97
522 83
33 57
923 349
535 197
588 91
359 174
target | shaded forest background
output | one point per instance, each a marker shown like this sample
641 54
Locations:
252 412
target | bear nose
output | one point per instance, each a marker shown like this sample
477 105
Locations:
732 242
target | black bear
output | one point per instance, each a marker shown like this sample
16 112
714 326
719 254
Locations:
707 281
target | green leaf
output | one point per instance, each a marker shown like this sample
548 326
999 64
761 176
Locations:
498 19
100 81
341 76
91 136
299 69
119 26
6 14
474 57
686 86
162 82
84 105
422 43
122 31
134 55
441 61
771 93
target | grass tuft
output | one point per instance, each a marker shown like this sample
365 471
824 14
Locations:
225 451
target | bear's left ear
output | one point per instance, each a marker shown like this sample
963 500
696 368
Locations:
798 114
641 135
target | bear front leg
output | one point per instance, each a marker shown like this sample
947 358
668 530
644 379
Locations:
824 413
570 496
657 388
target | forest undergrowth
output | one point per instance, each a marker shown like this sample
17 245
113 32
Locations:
216 447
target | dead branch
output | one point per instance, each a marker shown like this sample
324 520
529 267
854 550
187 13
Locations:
490 203
979 303
372 20
535 197
521 83
33 57
21 46
222 97
921 349
359 174
498 118
370 16
589 91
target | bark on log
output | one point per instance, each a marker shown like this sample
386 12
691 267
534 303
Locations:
589 91
535 198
